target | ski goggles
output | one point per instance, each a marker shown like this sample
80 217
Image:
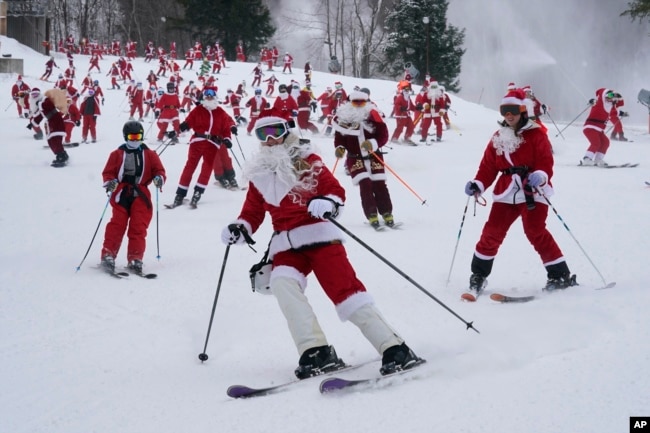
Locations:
134 137
35 94
275 131
209 93
358 102
510 109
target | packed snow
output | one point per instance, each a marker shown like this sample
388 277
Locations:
83 352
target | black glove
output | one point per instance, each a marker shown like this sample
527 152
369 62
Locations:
156 114
171 134
182 110
95 118
30 126
158 181
227 142
102 101
592 101
623 113
77 123
472 188
111 185
544 108
184 126
233 130
419 107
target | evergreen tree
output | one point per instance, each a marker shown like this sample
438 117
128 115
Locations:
408 37
228 21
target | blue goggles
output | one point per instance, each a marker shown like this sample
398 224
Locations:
209 93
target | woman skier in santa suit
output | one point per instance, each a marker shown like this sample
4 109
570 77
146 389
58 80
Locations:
594 127
288 180
519 158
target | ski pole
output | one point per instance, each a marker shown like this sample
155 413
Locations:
166 145
149 128
558 129
96 230
157 229
235 156
576 118
396 269
335 164
204 356
10 104
460 230
387 167
606 284
240 149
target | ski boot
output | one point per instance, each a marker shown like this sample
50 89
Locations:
318 360
398 358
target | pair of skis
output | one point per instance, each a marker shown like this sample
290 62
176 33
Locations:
329 384
514 299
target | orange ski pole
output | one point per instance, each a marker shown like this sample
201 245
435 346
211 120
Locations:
387 167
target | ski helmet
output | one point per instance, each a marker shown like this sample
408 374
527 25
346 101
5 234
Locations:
132 127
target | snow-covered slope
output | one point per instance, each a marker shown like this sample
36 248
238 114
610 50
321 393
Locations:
82 352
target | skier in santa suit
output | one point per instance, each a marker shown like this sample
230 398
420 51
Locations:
89 110
256 104
71 119
424 103
519 158
438 98
324 99
534 108
257 75
233 99
166 111
291 182
284 104
127 174
304 110
20 94
42 107
212 128
402 106
136 98
594 127
360 131
288 60
615 115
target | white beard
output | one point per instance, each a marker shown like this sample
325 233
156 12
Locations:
506 141
210 104
350 115
273 173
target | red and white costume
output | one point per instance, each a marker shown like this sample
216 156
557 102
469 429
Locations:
166 111
256 104
594 127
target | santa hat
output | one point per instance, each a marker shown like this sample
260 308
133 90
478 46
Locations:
511 86
338 83
358 95
20 78
272 117
35 89
515 97
527 89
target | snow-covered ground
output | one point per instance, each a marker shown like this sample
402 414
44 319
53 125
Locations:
82 352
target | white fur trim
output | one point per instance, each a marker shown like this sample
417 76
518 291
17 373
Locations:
318 232
346 308
289 272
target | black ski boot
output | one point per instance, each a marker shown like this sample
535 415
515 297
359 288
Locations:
178 200
61 159
561 282
318 360
398 358
135 265
108 263
195 198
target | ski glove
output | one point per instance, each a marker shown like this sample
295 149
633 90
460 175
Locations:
227 142
158 181
472 188
339 152
367 146
592 101
544 108
29 126
322 207
536 179
232 234
77 123
171 134
233 130
111 185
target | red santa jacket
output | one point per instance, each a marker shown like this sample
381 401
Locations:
150 168
86 110
285 106
211 125
599 113
531 150
289 217
168 105
256 105
402 106
73 114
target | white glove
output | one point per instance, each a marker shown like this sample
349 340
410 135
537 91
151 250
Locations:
319 207
232 235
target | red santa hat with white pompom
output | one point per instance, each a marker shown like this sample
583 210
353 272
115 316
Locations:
511 86
515 97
